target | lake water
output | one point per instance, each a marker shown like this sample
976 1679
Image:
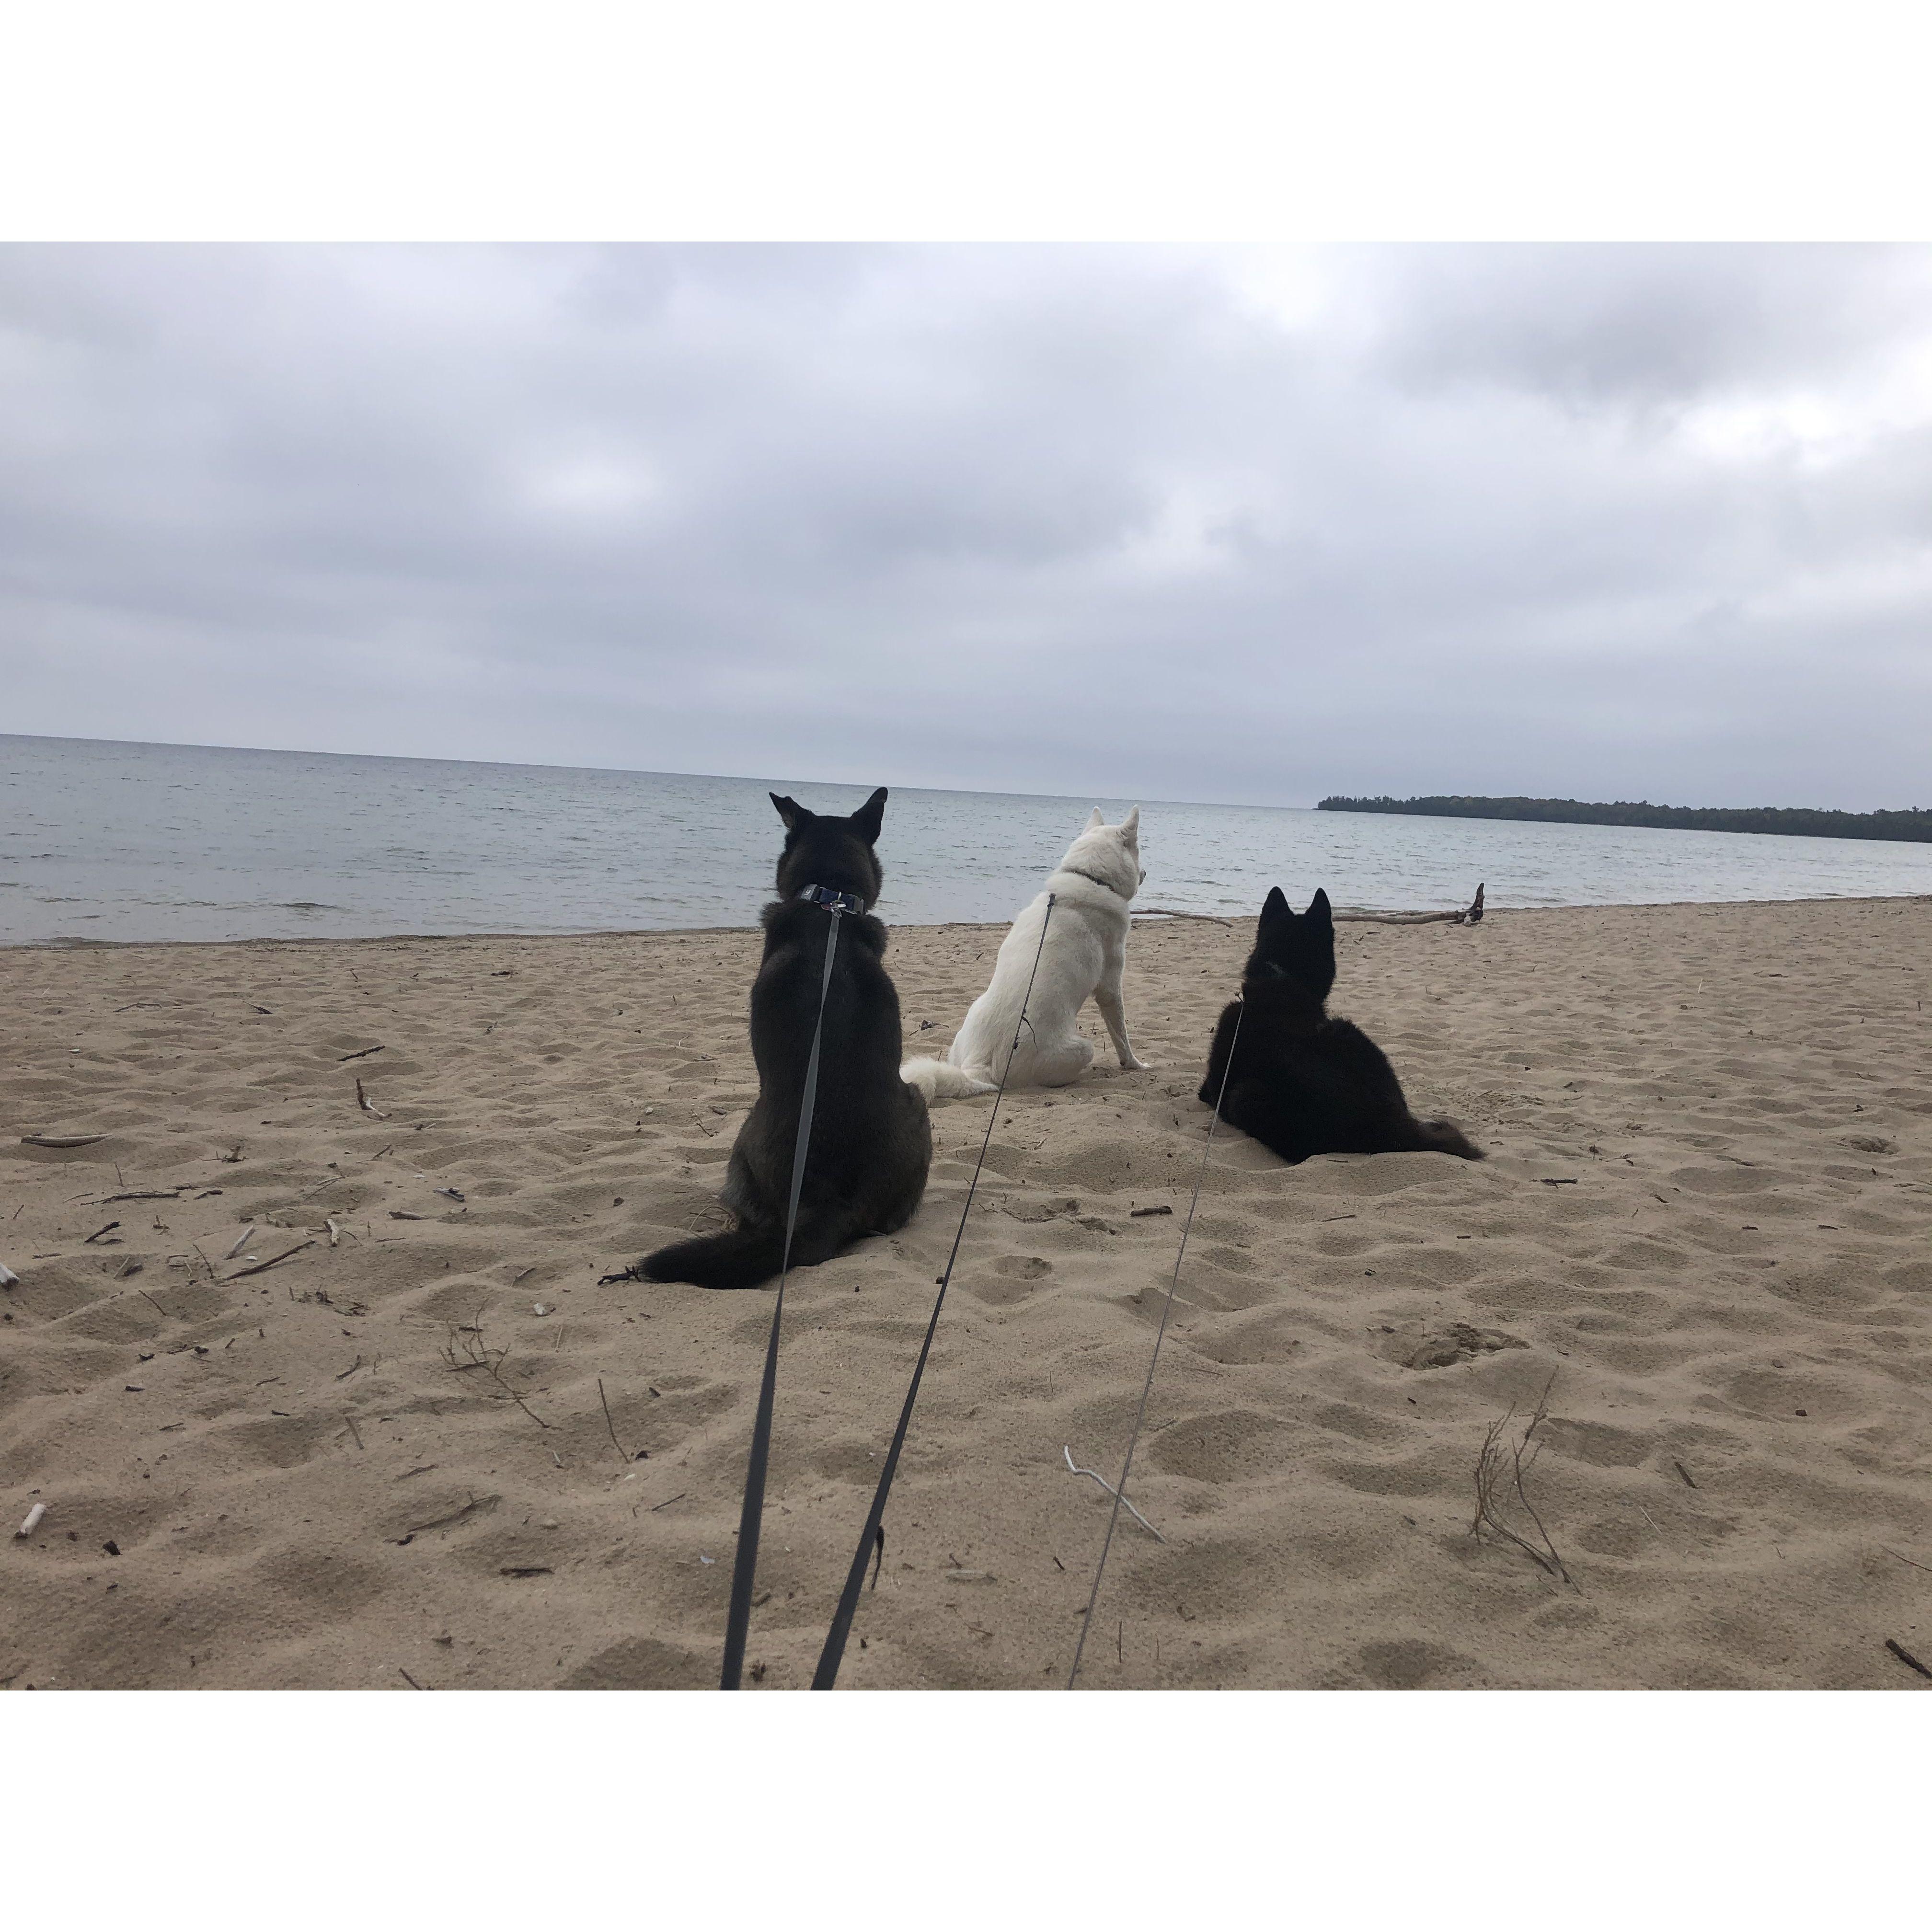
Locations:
111 842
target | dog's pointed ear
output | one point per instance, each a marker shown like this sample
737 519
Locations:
870 816
1093 818
1275 906
1130 827
1318 908
793 814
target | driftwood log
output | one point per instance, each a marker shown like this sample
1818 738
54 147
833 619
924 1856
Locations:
1471 915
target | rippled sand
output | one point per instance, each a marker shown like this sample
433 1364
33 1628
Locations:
1706 1228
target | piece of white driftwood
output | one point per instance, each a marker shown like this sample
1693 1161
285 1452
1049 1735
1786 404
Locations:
61 1140
241 1241
33 1521
1112 1492
7 1276
1471 915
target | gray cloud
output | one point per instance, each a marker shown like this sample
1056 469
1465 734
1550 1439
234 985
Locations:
1167 522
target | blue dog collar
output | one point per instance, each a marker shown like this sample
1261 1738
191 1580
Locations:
834 902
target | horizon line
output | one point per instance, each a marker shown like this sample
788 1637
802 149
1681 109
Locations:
635 771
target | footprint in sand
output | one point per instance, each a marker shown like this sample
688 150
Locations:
642 1663
1444 1347
1016 1277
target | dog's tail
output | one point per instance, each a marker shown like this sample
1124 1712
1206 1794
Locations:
742 1259
939 1080
748 1256
1445 1137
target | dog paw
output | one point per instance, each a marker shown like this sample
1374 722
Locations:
1137 1066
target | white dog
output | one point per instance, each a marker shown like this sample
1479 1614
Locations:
1084 952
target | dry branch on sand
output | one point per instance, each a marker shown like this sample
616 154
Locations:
465 1348
1500 1470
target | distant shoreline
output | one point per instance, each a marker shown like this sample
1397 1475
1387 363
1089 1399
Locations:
1908 827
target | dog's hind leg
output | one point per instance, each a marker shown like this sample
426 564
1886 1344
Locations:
1054 1065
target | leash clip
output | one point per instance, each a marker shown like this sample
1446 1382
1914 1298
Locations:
833 902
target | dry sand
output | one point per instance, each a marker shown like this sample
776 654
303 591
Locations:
1708 1216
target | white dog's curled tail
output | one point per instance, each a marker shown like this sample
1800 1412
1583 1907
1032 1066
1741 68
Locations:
938 1080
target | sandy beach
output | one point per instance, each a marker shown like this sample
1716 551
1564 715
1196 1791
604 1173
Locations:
1706 1227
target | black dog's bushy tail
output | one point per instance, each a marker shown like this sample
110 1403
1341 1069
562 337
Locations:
1445 1137
748 1256
742 1259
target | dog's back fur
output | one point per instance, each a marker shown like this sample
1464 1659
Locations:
1303 1083
1085 955
871 1143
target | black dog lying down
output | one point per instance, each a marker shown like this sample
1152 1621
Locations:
871 1143
1304 1084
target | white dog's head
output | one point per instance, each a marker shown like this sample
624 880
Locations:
1109 854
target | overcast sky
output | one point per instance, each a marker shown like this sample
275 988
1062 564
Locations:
1256 526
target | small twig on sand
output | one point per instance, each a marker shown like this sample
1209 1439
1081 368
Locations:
261 1267
368 1105
99 1231
363 1055
166 1194
353 1430
152 1302
408 1680
1497 1480
1890 1551
609 1424
476 1506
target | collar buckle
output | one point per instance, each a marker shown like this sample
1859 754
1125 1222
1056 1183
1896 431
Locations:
834 903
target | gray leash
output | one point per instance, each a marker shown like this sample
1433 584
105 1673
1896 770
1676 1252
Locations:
738 1618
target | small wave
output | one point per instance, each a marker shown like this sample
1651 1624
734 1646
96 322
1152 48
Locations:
307 905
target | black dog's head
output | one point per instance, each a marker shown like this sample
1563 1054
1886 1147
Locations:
1297 948
835 853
